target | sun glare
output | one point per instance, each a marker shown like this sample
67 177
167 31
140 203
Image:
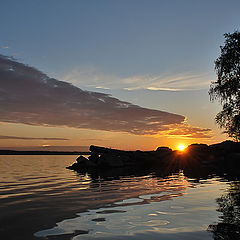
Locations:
46 145
181 147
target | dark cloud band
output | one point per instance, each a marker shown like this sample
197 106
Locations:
31 138
31 97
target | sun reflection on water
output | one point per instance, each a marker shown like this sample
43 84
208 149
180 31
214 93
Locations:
147 210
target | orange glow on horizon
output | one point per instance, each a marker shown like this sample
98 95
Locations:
46 145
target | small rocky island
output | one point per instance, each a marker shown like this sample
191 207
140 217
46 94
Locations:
225 155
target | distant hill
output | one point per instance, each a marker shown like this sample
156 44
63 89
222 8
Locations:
14 152
47 148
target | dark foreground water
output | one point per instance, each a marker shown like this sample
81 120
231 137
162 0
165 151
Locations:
40 199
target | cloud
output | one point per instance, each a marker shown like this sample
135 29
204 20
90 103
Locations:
4 47
187 131
29 96
31 138
93 77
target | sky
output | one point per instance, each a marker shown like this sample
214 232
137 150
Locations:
121 74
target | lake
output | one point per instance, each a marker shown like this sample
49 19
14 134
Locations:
41 199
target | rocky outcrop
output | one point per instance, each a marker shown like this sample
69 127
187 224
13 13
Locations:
102 157
226 147
225 155
222 156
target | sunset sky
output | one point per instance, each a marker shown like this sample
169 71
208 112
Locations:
128 74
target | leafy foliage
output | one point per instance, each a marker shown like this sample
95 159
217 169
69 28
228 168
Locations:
227 87
229 205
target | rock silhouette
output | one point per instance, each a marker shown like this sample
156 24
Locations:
225 155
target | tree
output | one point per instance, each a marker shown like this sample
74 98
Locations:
227 87
229 205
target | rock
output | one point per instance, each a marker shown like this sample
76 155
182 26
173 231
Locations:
128 160
74 166
82 163
233 159
226 146
110 160
101 150
94 157
198 147
225 155
163 149
81 159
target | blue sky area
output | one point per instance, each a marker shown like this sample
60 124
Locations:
124 38
155 54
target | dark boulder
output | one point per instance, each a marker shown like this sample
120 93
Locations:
163 150
225 155
226 146
82 163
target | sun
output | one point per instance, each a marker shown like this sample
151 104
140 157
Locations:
181 147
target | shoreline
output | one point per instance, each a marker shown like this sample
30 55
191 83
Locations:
13 152
224 155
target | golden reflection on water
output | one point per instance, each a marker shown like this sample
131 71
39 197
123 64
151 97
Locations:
143 207
107 207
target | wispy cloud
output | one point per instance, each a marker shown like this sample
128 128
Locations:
31 97
93 77
31 138
187 131
4 47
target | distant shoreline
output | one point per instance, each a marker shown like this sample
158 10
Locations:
13 152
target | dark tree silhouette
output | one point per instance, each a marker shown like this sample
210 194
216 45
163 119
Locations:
227 87
229 205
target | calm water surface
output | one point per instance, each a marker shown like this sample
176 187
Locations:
41 199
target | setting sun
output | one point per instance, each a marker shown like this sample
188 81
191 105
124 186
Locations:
181 147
